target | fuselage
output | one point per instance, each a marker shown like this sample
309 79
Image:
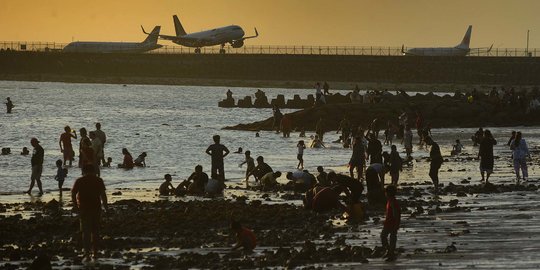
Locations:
445 51
212 37
110 47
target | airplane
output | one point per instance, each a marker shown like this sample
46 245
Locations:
232 34
150 43
460 50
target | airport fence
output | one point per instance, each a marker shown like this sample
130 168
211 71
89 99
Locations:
279 49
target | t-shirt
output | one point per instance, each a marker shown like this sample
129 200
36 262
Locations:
37 156
200 180
301 149
393 215
217 151
247 238
89 189
303 177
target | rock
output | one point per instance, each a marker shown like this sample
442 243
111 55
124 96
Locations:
117 193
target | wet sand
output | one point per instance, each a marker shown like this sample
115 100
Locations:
466 226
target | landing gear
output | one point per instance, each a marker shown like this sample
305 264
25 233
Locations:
222 50
197 50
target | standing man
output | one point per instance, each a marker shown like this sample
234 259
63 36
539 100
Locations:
103 138
87 195
37 166
218 152
9 105
436 162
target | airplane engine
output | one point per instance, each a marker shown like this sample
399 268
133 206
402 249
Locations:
237 44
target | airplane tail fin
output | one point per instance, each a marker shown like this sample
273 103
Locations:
152 36
178 27
466 39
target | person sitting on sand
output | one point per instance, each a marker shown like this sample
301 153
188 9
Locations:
322 178
195 184
456 148
302 180
140 161
25 151
317 143
269 180
166 188
391 223
261 169
128 160
245 238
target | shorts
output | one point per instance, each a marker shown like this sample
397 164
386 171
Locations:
90 221
36 172
300 157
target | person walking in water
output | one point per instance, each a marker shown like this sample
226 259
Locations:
520 152
65 144
250 165
485 154
9 105
218 152
103 138
436 161
37 166
300 154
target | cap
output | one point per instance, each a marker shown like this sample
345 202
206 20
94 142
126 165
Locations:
34 139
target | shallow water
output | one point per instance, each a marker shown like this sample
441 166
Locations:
174 125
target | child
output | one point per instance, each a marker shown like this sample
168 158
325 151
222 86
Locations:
300 155
302 133
250 165
61 174
391 223
140 160
166 187
456 148
395 165
245 238
25 151
108 163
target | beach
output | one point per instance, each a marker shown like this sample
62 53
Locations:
466 226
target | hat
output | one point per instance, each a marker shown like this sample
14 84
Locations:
34 139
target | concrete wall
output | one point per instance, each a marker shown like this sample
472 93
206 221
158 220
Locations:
383 69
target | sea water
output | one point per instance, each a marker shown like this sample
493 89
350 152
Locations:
175 125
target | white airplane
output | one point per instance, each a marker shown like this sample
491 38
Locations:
150 43
460 50
232 34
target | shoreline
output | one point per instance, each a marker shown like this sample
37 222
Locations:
285 84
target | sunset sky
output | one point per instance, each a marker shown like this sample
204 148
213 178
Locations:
280 22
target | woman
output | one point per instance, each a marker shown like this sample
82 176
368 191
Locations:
65 144
128 160
520 152
485 154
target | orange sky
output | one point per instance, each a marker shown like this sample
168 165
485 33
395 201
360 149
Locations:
503 23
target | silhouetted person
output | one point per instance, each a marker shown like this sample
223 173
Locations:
87 195
436 162
103 138
392 222
65 144
37 166
485 153
218 152
9 105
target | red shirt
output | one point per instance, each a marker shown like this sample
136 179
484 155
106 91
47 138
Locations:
128 161
247 238
393 214
88 189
